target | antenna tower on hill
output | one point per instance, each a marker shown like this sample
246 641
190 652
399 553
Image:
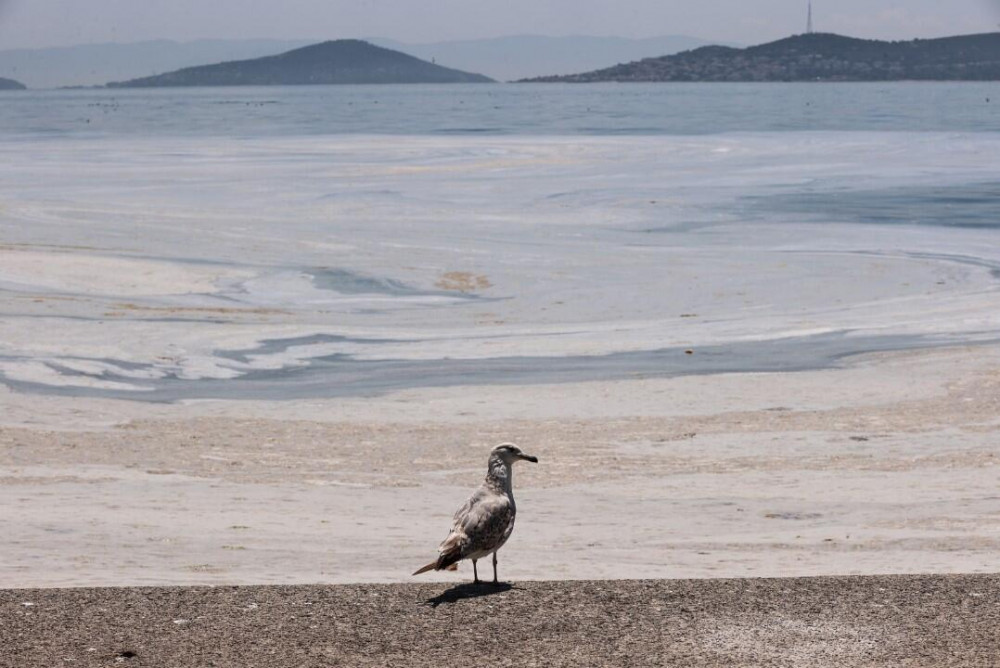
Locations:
809 20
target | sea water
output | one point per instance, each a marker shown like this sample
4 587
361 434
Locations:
521 109
341 240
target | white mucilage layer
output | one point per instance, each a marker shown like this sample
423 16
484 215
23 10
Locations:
124 262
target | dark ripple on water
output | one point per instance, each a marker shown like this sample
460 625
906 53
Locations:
968 205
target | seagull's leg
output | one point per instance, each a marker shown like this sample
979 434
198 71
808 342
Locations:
475 573
495 568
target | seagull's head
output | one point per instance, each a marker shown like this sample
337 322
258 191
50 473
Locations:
510 453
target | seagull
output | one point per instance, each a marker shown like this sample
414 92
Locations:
484 523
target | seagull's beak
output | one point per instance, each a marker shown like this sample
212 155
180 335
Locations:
530 458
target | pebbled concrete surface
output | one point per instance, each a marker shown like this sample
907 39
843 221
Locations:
899 621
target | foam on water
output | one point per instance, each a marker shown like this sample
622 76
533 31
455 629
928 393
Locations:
277 266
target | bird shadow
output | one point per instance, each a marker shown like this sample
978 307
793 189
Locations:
468 590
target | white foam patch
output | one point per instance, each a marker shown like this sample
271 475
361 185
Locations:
82 272
40 373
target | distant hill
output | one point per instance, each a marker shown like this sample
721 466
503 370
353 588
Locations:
10 84
520 56
346 61
504 58
96 64
817 57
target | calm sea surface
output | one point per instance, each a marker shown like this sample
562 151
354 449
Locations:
505 109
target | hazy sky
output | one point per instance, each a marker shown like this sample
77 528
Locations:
41 23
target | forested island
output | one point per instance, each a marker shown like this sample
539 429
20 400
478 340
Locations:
345 61
816 57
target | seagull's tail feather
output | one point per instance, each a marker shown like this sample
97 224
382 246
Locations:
424 569
447 561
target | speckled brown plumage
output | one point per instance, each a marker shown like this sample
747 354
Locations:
484 523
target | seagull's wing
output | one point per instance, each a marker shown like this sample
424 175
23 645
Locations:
488 522
467 507
481 524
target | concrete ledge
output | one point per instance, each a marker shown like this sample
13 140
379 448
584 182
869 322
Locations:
922 620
